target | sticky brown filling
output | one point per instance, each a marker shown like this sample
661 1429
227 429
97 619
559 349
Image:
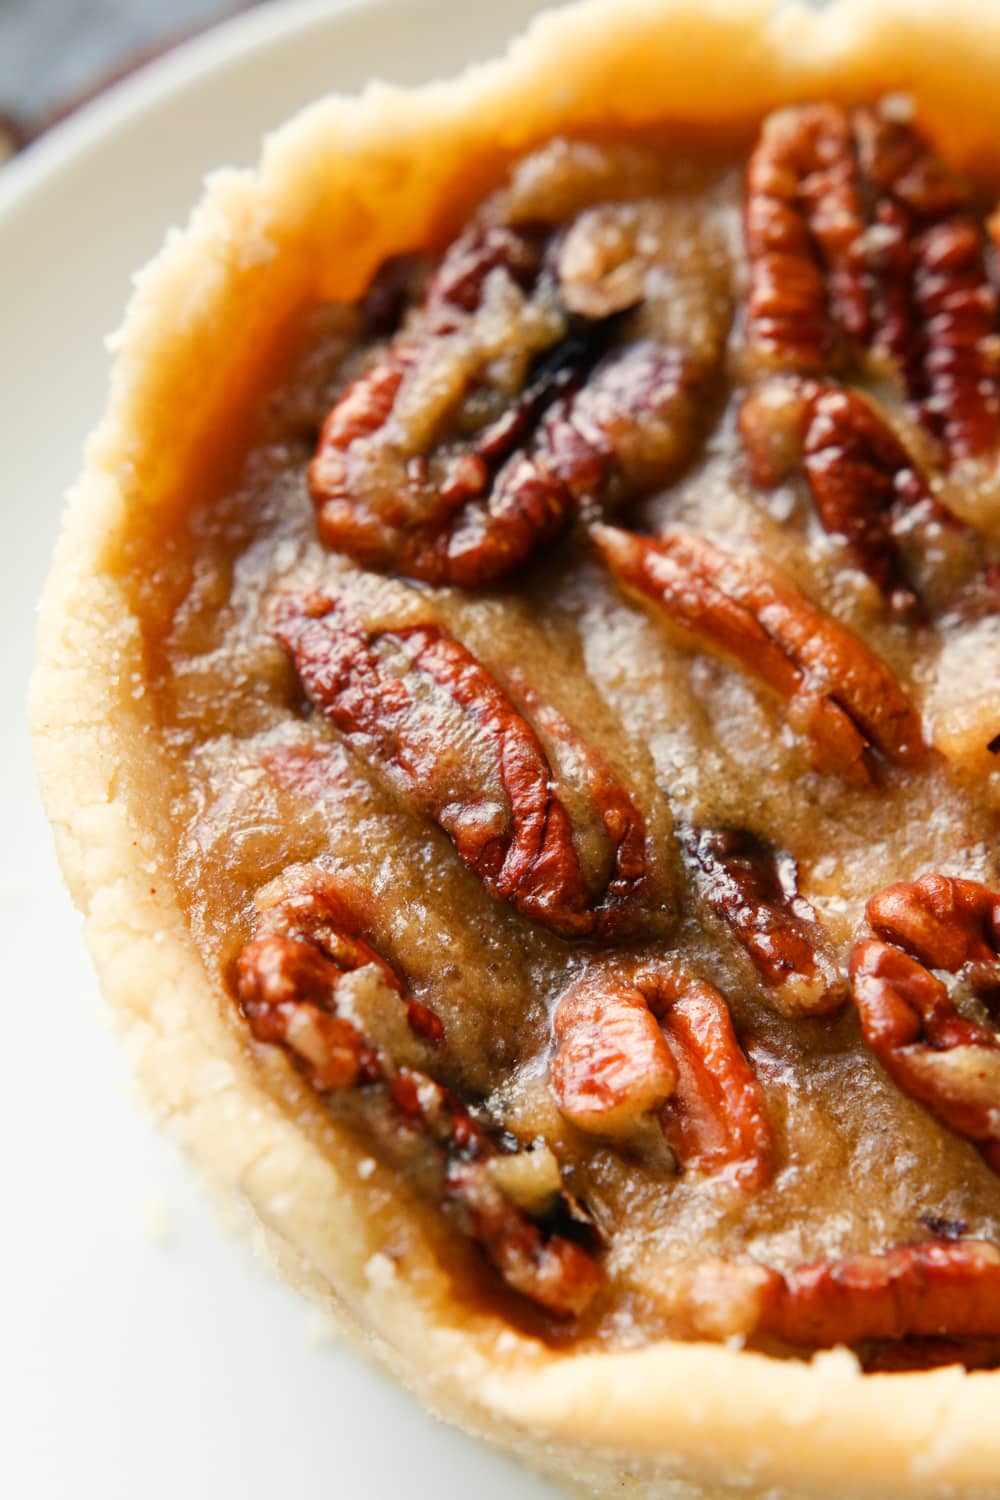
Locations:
582 712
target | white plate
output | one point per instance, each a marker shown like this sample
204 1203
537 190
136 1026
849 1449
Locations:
132 1369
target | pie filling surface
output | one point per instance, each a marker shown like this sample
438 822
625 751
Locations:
582 713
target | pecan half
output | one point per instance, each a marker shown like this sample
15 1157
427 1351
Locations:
611 1065
633 1040
457 515
925 1290
803 224
755 887
911 1023
290 974
914 1306
413 701
867 488
290 982
935 308
476 433
860 238
946 923
624 827
833 687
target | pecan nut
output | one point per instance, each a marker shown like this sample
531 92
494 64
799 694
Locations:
404 698
925 1290
946 923
550 1270
611 1065
754 886
860 239
937 314
290 978
834 689
287 988
458 515
867 488
803 223
909 1019
641 1039
435 466
630 876
914 1306
628 426
458 284
290 982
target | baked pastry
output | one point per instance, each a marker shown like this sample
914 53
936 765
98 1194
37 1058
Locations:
518 703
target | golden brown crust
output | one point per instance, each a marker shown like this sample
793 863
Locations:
364 178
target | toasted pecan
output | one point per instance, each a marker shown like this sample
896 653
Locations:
833 687
290 981
935 1054
391 691
644 1037
755 887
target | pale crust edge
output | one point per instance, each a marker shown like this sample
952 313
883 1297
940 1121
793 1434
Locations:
352 180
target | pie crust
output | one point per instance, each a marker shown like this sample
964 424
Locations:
345 184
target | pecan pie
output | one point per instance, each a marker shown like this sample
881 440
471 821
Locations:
519 701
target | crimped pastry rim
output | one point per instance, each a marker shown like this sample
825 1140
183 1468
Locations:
341 185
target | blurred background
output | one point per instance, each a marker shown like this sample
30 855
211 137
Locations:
54 54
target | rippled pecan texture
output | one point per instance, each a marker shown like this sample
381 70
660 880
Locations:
912 1291
935 308
803 226
401 484
859 238
290 981
645 1038
911 1022
867 488
834 689
419 705
755 887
